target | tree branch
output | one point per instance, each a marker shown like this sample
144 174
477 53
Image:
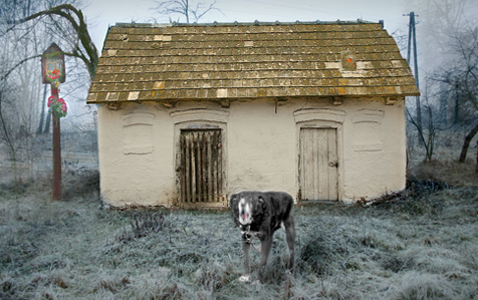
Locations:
65 11
17 65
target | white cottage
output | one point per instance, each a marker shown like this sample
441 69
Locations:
188 114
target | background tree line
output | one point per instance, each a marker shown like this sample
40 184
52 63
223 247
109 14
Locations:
449 70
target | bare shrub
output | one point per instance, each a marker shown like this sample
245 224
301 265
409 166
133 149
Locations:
214 276
451 172
416 199
8 288
143 224
79 181
146 223
318 251
113 284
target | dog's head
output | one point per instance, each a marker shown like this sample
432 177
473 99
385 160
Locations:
247 207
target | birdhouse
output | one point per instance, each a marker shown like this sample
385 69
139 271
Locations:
53 65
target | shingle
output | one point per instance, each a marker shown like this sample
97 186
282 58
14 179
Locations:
247 61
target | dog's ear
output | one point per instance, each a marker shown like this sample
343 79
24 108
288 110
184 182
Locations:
261 203
265 205
233 203
234 208
261 199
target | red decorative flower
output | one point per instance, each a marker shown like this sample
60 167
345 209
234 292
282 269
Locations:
58 106
53 75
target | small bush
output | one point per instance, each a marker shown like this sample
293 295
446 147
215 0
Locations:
416 199
142 225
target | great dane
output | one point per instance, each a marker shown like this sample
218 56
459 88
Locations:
260 214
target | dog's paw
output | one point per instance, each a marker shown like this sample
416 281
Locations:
245 278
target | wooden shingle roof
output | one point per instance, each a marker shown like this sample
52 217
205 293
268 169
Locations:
144 62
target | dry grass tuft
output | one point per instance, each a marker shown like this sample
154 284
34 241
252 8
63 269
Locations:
142 225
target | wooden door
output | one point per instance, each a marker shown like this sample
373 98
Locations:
318 164
200 170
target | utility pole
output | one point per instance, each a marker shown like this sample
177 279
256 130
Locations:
412 35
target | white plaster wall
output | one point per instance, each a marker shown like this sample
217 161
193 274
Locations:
135 179
261 149
374 172
263 152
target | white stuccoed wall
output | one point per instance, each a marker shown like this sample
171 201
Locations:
137 146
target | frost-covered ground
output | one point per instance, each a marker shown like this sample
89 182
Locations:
422 244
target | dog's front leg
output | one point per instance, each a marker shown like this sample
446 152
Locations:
266 244
246 277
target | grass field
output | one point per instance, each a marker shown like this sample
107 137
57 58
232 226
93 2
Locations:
421 244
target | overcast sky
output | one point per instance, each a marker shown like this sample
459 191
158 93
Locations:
103 13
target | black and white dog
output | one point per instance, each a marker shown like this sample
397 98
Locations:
260 214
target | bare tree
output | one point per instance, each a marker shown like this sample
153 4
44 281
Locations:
460 76
82 44
65 23
19 82
427 133
25 32
186 8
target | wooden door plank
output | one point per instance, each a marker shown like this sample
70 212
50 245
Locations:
188 167
332 173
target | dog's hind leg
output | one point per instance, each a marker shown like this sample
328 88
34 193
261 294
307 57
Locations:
266 244
246 277
290 236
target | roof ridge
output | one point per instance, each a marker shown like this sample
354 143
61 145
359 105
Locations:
255 23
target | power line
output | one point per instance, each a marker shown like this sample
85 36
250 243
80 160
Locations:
315 9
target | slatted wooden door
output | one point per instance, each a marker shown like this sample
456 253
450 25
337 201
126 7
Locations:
201 166
318 164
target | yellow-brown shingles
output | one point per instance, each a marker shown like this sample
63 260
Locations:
248 61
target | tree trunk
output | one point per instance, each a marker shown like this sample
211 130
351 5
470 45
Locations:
42 115
46 130
476 167
467 142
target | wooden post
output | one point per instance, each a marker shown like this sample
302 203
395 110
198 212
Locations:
56 195
53 73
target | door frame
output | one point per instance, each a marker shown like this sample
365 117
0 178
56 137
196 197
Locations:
200 119
321 118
